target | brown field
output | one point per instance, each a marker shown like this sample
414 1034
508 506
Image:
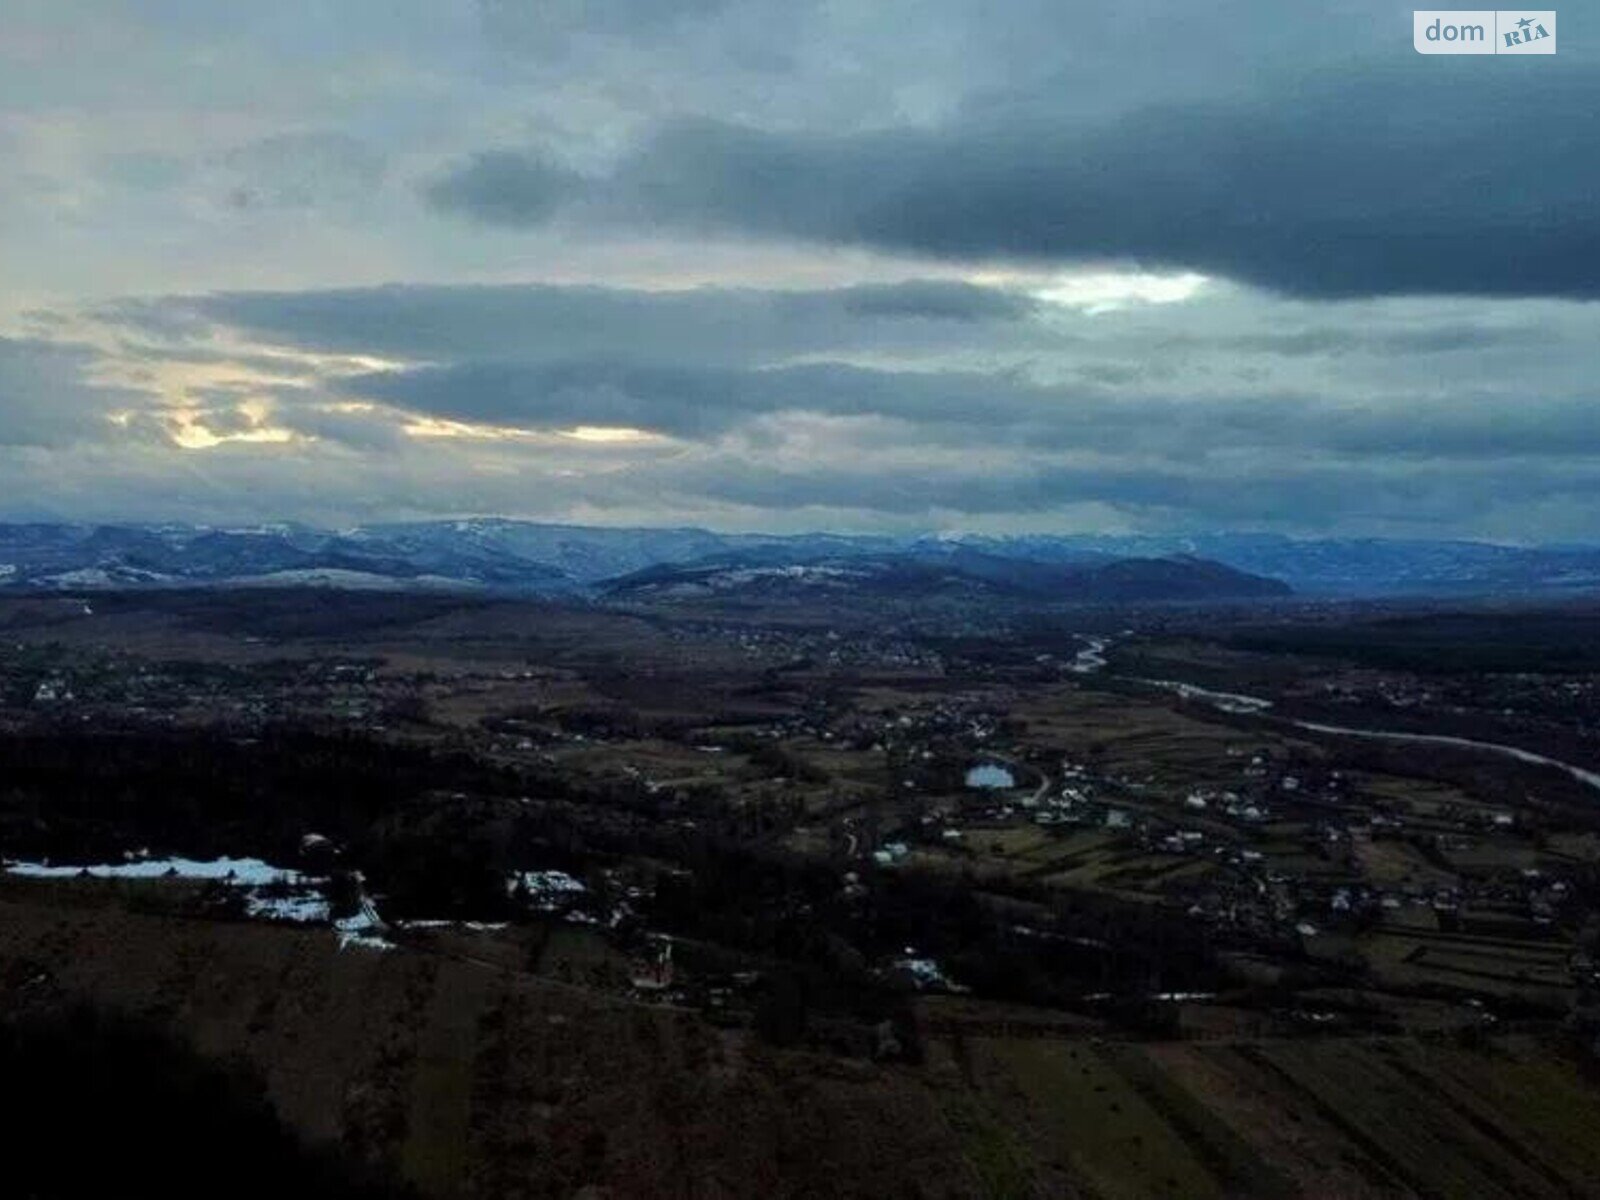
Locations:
476 1080
471 1077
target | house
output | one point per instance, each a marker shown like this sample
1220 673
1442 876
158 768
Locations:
651 969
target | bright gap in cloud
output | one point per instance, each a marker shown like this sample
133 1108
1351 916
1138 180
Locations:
608 433
1107 291
435 427
189 434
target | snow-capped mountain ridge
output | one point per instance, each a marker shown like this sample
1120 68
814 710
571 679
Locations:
504 555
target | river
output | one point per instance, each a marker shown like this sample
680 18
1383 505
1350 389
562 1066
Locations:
1235 702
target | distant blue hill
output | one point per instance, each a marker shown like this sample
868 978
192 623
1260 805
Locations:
521 557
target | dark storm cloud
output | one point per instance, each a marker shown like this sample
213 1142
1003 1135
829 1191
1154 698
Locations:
712 325
1437 177
47 398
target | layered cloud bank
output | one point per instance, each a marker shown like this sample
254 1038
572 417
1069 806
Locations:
781 267
1372 183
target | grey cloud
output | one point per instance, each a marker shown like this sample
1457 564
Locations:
945 359
504 187
674 400
363 430
297 170
1307 497
337 480
890 401
1382 181
225 420
700 402
1439 338
171 324
532 322
46 397
937 300
1002 410
185 352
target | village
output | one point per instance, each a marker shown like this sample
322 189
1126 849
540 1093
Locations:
891 850
882 756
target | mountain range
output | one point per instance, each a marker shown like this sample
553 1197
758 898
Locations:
520 557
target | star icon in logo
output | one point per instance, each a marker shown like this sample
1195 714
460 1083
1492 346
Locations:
1524 23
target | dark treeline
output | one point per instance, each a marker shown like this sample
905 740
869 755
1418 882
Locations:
437 835
436 832
1560 642
801 912
76 796
289 612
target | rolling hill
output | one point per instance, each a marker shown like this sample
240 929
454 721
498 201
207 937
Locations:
968 576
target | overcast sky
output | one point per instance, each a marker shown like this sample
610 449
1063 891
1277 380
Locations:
1007 265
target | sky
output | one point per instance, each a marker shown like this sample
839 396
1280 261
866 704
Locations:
994 266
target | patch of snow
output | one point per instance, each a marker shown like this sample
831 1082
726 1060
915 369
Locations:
270 893
301 908
363 941
363 930
926 974
547 891
247 872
